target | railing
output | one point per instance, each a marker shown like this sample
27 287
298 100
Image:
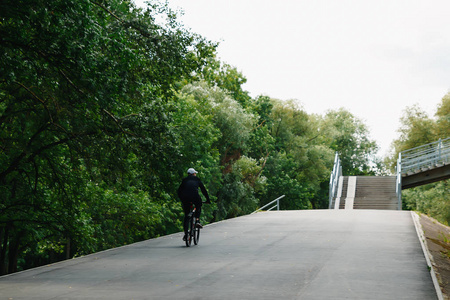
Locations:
415 159
398 186
334 178
429 155
276 205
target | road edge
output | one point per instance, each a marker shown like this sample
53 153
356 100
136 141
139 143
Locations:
426 253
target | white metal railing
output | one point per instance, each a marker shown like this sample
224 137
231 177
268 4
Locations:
415 159
398 185
429 155
276 205
334 178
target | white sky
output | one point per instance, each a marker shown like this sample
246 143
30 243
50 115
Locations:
372 57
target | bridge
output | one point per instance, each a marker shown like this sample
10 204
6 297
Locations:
425 164
417 166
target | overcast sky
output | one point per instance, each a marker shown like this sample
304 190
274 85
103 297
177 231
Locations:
372 57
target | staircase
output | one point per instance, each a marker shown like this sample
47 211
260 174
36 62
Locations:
371 192
376 192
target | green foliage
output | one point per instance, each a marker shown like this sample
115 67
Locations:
349 136
442 127
227 78
227 115
282 179
84 93
417 128
237 195
432 199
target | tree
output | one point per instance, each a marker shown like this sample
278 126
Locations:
84 89
240 186
416 128
294 163
234 123
228 78
442 128
349 136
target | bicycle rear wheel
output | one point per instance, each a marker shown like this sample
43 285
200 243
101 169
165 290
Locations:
196 234
190 233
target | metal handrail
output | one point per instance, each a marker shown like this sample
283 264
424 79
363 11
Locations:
415 159
334 178
398 186
276 205
428 155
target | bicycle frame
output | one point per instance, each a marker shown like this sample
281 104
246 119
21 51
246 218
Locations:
193 233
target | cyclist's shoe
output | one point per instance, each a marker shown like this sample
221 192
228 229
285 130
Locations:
184 237
198 225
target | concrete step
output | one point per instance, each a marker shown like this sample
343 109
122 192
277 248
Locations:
372 192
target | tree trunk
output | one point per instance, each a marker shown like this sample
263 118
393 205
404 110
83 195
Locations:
68 248
4 245
13 254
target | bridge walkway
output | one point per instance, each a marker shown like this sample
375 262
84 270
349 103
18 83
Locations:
316 254
424 164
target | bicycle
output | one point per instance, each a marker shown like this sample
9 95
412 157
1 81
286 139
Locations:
193 233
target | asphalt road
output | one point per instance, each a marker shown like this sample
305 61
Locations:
320 254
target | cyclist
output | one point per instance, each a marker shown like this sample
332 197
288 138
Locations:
188 193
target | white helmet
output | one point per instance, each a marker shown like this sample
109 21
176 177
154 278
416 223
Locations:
191 171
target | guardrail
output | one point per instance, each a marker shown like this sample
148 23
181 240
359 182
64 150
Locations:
276 205
415 159
429 155
398 185
334 178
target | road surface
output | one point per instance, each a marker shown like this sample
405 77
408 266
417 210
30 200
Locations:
315 254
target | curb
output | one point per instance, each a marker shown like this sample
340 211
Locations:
426 253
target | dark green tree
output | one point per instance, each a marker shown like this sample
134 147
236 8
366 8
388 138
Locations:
84 134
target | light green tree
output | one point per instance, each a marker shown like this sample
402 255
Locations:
343 132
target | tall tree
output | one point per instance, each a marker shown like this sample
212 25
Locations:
227 78
84 87
442 128
349 136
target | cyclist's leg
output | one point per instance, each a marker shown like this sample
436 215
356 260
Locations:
198 206
198 211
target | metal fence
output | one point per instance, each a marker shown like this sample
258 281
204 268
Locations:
275 206
419 159
425 156
334 178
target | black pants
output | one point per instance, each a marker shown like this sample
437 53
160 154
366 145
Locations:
187 208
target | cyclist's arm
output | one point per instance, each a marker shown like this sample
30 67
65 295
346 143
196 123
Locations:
204 192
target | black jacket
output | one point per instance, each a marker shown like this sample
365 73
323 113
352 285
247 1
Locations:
188 190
